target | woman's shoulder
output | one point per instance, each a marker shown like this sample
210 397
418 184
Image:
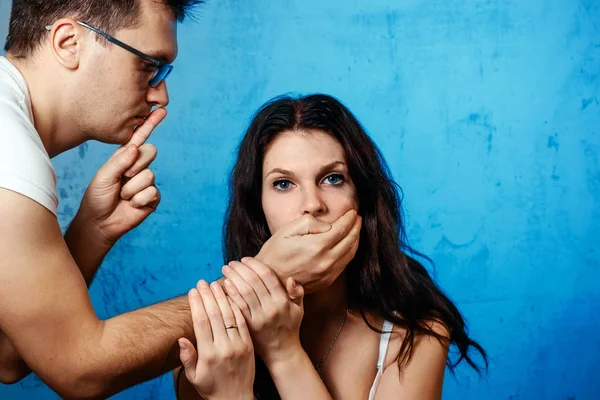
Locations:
424 346
424 370
423 343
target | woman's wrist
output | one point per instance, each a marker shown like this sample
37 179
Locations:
296 374
286 359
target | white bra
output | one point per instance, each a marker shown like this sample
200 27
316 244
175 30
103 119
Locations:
384 342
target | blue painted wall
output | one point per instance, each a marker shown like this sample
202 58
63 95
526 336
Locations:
488 113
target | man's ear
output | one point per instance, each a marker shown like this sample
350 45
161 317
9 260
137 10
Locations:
66 41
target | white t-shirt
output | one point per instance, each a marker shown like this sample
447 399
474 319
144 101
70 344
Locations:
25 166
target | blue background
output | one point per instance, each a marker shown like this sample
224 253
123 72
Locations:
488 113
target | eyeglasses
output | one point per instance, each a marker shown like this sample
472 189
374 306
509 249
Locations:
162 69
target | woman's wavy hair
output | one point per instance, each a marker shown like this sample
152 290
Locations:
384 278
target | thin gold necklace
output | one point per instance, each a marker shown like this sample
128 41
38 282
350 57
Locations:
319 365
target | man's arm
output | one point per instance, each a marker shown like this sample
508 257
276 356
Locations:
121 195
43 299
12 366
87 247
45 311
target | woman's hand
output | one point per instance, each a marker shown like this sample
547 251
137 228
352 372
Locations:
273 315
223 365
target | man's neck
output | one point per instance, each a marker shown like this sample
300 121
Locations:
57 132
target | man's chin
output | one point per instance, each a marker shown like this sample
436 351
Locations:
120 138
127 134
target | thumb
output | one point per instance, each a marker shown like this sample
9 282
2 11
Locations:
188 357
115 167
295 291
306 225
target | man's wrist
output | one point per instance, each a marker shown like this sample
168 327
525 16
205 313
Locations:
83 232
282 275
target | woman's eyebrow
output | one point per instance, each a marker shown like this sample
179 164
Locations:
331 165
321 170
280 171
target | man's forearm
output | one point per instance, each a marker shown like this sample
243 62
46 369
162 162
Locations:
87 247
130 349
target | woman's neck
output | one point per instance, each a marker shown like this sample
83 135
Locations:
327 304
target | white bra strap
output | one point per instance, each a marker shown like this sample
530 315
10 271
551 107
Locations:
384 342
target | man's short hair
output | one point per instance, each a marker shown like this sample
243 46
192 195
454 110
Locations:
29 17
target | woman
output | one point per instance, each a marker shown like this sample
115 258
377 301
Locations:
381 330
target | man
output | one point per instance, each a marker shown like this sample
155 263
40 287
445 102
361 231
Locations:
91 69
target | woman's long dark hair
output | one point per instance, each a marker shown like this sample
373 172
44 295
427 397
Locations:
384 277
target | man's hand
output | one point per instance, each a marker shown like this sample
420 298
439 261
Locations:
122 194
119 198
312 252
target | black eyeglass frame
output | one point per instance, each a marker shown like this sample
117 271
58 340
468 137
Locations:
162 69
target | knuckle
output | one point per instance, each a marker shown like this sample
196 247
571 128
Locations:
268 273
202 319
258 326
227 353
209 355
244 309
149 174
281 303
247 350
245 291
254 280
271 313
154 192
265 274
240 349
317 248
152 151
322 267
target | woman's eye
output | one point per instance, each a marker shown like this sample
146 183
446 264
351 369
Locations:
334 179
282 185
149 67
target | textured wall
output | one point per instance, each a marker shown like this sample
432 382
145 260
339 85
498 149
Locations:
488 114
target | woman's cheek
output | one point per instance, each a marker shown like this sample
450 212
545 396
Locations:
344 202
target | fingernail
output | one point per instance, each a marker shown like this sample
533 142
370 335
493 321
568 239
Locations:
226 269
203 284
193 292
228 282
181 345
